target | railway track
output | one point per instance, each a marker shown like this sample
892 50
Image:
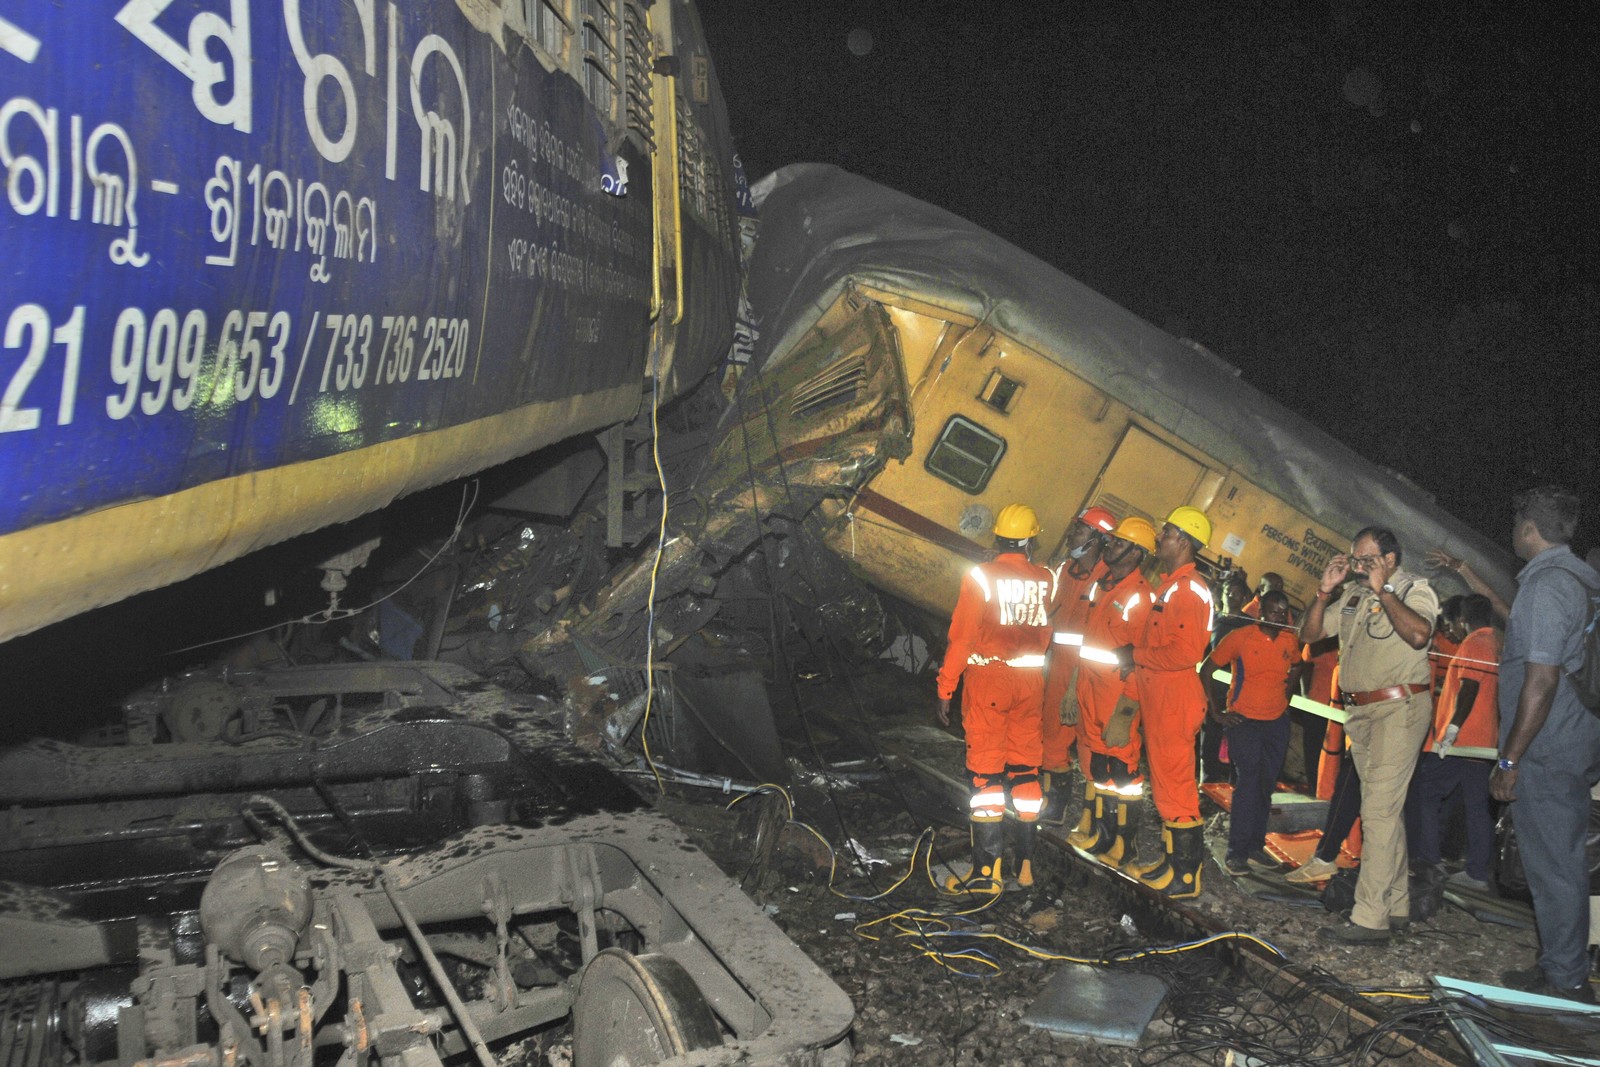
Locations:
1178 921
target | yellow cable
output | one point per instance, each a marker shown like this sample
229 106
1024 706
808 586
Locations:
765 787
833 857
905 922
923 923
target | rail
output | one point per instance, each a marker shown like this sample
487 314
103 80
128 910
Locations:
1150 909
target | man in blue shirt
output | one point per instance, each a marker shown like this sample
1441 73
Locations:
1549 742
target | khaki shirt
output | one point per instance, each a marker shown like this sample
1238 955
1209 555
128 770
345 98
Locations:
1371 655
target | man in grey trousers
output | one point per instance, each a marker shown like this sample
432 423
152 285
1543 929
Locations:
1549 742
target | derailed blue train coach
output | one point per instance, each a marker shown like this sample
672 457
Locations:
269 265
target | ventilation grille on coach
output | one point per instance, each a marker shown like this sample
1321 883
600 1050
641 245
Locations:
838 384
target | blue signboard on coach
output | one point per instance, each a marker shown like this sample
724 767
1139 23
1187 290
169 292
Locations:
239 235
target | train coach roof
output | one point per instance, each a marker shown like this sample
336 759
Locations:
822 227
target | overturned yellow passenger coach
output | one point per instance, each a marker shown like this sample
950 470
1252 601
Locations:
1010 381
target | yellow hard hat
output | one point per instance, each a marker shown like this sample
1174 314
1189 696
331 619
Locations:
1193 522
1016 522
1136 531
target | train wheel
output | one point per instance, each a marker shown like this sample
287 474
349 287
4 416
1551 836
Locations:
638 1010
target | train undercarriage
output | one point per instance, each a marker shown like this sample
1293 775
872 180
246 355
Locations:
421 870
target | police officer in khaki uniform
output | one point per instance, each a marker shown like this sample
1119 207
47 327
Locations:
1384 620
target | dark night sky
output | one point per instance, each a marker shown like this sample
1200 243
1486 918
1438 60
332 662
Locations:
1382 212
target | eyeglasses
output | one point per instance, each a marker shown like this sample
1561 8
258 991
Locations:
1365 562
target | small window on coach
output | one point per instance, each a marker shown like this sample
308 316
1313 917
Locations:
602 44
550 25
965 455
999 392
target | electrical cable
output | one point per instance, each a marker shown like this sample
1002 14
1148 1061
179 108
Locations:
1216 1012
833 859
1473 1009
292 826
779 649
332 613
1276 1028
759 378
655 570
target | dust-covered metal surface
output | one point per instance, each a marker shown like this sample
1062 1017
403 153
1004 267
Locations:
425 878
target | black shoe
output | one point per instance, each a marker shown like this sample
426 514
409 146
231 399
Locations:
1262 860
1399 924
1533 980
1352 934
1237 866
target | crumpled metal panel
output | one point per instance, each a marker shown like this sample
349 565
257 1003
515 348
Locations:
768 468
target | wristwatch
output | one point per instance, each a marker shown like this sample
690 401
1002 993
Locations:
1386 588
1505 764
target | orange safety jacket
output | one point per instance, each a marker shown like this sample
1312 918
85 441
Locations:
1071 596
1320 686
1477 658
1324 689
1114 617
1067 616
1069 613
1178 629
1116 614
1002 616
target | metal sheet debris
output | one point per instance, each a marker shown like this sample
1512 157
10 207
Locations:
1113 1007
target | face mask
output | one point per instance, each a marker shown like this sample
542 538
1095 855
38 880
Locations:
1079 552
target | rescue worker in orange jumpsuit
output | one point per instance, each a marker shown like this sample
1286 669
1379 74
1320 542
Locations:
998 637
1108 709
1174 639
1086 540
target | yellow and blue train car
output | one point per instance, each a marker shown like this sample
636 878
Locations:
268 266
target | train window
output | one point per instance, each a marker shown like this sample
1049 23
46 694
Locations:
549 23
966 454
639 55
601 54
999 391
